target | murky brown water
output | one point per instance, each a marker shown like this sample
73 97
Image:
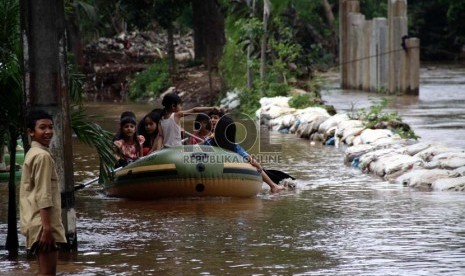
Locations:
338 221
437 114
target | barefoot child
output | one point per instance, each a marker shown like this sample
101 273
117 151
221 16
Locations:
40 199
170 130
225 137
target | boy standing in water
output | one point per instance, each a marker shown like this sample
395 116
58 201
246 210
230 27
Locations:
40 198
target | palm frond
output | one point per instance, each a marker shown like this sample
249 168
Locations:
75 82
87 9
95 136
9 24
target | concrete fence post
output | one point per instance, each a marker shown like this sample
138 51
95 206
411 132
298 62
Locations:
413 63
378 54
345 8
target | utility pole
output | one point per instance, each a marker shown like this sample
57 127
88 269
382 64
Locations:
45 87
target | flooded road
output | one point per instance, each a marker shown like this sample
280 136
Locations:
436 115
338 221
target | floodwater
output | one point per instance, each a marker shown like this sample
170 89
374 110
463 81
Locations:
337 222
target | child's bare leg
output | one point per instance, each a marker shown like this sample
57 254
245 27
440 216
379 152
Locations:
47 262
273 186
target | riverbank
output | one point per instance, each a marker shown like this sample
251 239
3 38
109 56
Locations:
423 164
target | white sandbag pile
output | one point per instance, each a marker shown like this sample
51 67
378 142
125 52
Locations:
377 151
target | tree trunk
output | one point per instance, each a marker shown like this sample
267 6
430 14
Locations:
208 31
328 13
332 41
12 244
198 22
266 14
74 38
249 52
171 51
45 87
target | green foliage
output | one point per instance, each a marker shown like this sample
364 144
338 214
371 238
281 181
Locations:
304 100
300 101
283 50
273 89
440 27
93 135
10 69
75 82
375 117
143 14
94 18
233 65
373 8
151 82
249 99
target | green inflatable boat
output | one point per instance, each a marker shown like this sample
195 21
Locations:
186 171
4 175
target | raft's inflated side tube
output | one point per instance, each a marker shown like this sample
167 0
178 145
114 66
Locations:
5 175
187 171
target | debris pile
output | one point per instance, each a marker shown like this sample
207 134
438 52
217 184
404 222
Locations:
111 62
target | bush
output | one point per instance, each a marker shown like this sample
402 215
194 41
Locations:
375 117
300 101
151 82
250 101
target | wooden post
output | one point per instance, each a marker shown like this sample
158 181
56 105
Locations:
45 87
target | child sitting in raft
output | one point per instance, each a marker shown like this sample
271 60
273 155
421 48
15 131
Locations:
148 127
170 123
123 114
202 129
225 137
215 116
128 145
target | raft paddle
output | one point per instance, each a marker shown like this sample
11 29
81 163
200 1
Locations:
85 184
277 176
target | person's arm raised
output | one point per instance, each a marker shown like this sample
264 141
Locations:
197 110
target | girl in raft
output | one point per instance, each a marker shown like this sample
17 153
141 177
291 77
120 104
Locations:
170 123
128 145
225 137
149 127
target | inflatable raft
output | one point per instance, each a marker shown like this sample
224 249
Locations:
4 175
186 171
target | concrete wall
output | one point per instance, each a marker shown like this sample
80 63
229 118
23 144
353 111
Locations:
377 55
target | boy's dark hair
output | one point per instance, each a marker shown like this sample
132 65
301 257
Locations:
36 115
225 133
217 112
199 118
170 99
